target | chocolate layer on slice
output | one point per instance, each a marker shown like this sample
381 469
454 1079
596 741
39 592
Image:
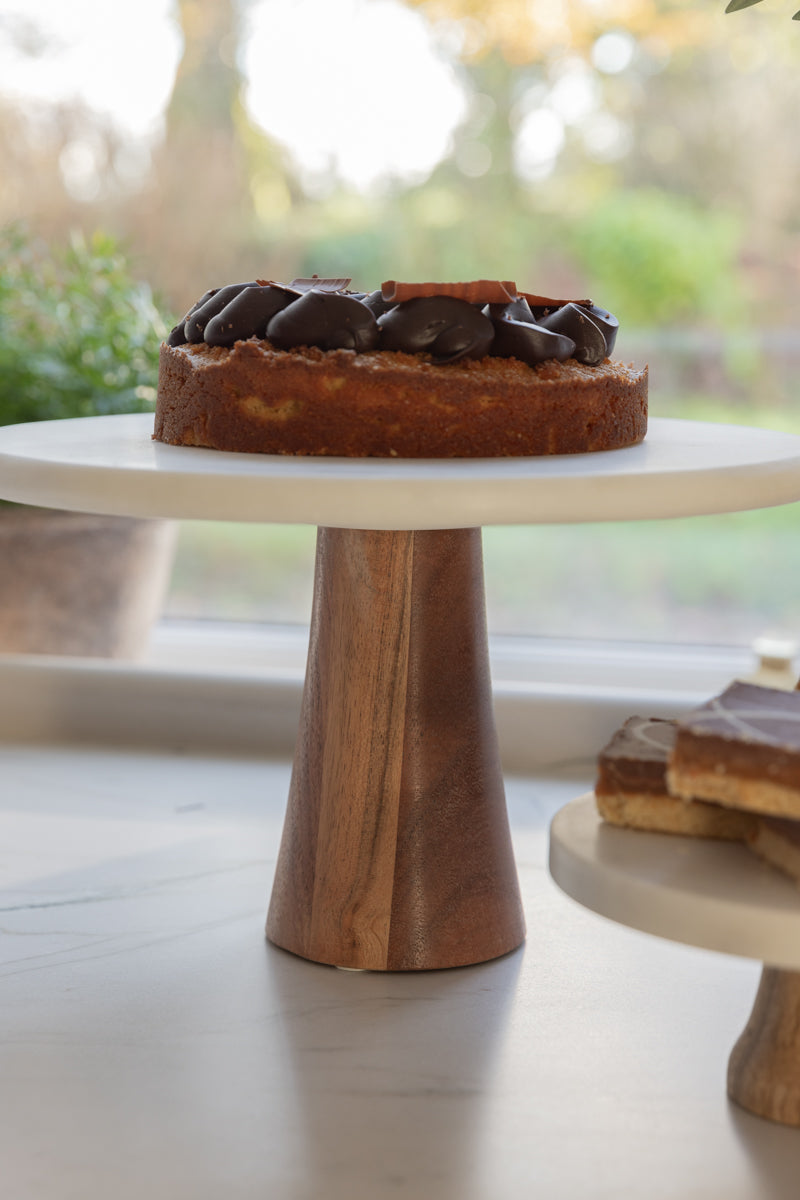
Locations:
741 749
631 787
635 759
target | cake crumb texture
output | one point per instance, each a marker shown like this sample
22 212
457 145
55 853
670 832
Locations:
307 401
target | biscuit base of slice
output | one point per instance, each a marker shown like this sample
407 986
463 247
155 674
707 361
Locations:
668 814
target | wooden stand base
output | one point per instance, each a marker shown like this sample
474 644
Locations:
764 1067
396 853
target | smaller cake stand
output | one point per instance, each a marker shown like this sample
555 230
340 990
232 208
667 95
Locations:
716 895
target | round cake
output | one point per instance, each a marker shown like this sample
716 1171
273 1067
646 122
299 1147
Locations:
473 370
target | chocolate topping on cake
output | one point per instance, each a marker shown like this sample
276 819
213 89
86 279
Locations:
329 320
547 302
177 335
476 291
528 341
319 285
574 322
447 328
199 316
442 320
607 322
248 314
376 303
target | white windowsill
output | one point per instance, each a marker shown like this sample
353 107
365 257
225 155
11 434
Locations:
237 689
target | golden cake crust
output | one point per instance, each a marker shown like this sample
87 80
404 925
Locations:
253 398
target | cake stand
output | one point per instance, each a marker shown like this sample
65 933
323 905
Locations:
716 895
396 853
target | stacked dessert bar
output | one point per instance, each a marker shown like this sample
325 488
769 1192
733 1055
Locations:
728 769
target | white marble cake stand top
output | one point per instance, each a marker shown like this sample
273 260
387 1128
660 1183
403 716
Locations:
716 895
112 465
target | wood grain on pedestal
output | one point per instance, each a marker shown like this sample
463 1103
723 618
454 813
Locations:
396 853
764 1067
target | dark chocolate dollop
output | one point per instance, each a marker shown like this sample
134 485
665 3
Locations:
195 325
247 314
553 318
573 321
445 327
177 335
608 323
517 310
376 303
330 320
529 342
519 333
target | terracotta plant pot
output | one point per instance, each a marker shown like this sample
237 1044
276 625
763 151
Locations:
77 584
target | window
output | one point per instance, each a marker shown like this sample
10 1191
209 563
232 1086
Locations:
580 149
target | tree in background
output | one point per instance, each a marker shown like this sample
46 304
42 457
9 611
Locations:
42 146
201 215
682 103
641 150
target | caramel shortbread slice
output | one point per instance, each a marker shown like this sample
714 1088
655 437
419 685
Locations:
631 789
741 749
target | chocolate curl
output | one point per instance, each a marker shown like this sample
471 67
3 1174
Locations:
477 291
548 302
316 284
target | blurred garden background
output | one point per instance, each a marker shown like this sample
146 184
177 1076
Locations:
642 152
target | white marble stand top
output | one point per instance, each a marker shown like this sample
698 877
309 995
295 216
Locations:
112 465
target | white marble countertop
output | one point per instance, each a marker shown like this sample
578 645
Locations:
154 1045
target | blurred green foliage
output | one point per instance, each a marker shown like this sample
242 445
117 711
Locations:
79 335
713 579
662 259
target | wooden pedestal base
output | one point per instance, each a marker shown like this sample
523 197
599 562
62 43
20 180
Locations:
396 853
764 1067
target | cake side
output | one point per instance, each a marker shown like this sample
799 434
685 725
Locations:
257 399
